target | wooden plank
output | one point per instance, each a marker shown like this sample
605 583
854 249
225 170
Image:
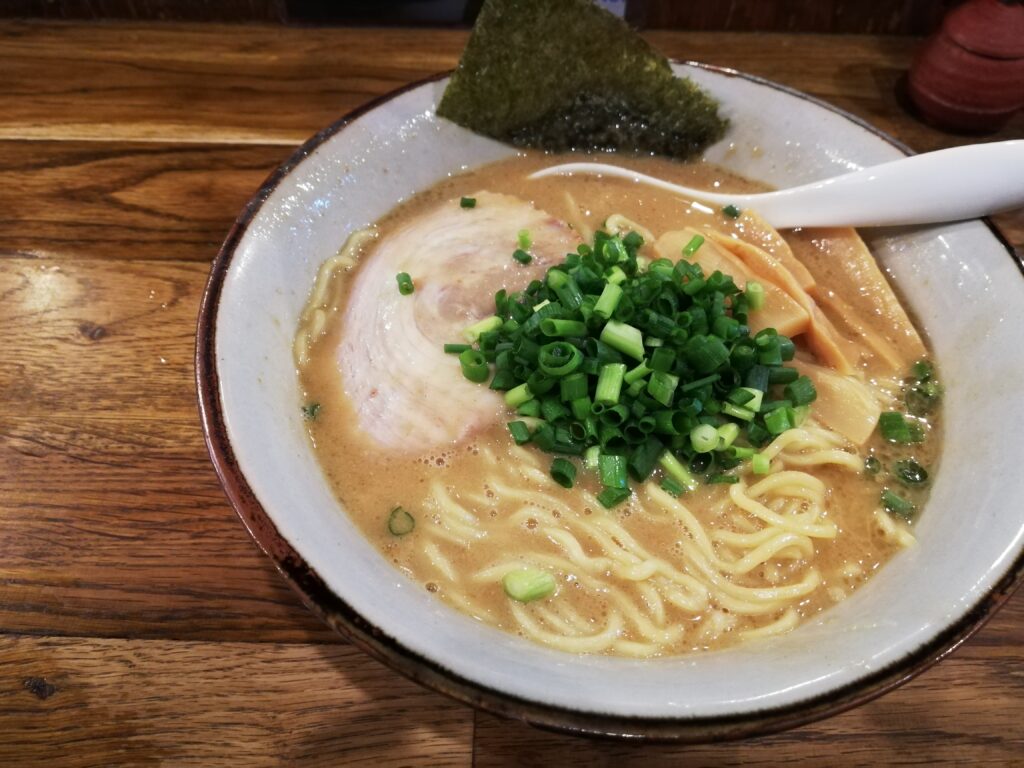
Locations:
175 81
98 337
967 710
113 521
117 527
72 703
201 82
117 200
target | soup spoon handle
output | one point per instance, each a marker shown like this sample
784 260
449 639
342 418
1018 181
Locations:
947 185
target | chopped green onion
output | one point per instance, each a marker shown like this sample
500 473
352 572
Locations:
662 387
518 395
637 373
574 387
564 472
615 415
758 378
472 333
456 349
663 359
755 295
783 375
897 505
611 497
898 429
520 432
787 349
612 471
801 391
799 414
608 301
872 466
923 370
523 238
644 458
530 408
741 452
405 286
592 457
760 464
468 202
625 338
723 479
704 438
521 256
616 276
727 434
731 211
672 488
474 365
400 522
559 358
754 403
675 470
540 383
691 247
609 383
706 353
565 288
553 411
778 421
698 383
311 411
552 327
528 584
738 412
909 472
923 397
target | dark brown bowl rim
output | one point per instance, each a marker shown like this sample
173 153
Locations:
344 619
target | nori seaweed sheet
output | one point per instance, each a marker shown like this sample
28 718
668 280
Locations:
566 74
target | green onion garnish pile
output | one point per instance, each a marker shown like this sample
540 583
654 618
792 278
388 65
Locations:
633 365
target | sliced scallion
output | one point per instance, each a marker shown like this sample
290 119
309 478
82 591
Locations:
625 338
612 471
564 472
400 522
520 432
760 464
897 505
405 286
704 438
474 365
609 383
528 584
611 497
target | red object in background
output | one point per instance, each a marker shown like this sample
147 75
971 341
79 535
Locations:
970 75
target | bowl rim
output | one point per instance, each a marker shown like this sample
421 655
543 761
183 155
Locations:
345 620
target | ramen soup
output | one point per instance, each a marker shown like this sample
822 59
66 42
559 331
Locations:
711 500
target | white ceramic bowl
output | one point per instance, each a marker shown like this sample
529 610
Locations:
962 283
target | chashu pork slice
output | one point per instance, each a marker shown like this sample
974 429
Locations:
407 393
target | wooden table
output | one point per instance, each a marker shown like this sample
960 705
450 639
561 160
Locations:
138 622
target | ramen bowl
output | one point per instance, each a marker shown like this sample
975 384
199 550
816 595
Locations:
961 282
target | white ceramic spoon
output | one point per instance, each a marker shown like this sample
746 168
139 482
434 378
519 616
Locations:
948 185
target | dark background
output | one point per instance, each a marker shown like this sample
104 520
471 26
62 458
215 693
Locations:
899 17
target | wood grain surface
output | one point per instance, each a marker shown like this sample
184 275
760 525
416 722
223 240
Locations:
139 625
